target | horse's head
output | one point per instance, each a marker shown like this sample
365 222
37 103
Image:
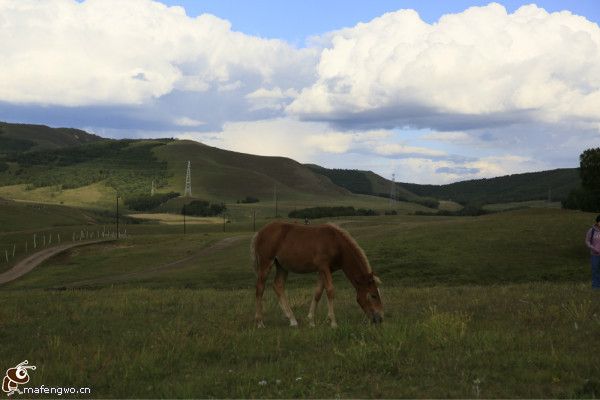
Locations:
368 297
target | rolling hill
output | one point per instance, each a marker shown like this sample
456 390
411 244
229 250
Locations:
70 166
56 169
555 184
26 137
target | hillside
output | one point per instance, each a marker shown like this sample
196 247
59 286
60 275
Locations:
70 166
229 175
49 165
555 184
368 182
26 137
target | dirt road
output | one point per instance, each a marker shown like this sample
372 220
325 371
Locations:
29 263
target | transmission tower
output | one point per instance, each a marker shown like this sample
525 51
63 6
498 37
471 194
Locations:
393 191
188 181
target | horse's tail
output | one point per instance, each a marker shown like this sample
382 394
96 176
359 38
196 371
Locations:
253 254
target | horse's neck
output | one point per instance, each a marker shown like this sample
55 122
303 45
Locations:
355 264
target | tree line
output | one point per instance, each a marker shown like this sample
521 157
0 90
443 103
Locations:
587 196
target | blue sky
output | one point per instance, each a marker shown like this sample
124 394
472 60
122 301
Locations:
433 91
297 20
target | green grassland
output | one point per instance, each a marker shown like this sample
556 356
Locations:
491 306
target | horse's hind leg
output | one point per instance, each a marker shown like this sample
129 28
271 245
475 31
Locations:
315 301
279 286
262 273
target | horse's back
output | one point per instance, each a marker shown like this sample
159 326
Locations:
299 248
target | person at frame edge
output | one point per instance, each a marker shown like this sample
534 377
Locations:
592 240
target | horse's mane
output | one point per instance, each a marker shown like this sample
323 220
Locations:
358 250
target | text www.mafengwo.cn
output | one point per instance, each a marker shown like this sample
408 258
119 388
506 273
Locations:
59 391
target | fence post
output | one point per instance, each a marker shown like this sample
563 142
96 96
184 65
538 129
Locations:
14 249
34 242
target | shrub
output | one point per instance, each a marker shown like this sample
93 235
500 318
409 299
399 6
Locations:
323 212
582 199
147 202
202 208
248 200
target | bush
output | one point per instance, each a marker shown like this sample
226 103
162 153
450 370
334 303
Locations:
582 199
323 212
147 202
202 208
469 210
249 200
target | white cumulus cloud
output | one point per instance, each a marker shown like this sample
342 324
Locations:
64 52
480 66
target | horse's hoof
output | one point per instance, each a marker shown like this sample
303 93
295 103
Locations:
334 325
294 324
260 324
311 324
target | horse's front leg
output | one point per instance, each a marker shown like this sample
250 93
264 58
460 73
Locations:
279 286
315 301
328 283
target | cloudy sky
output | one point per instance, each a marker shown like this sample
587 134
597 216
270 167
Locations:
433 91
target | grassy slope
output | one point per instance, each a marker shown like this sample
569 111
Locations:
220 175
97 195
227 175
217 175
469 313
511 188
44 137
504 189
364 182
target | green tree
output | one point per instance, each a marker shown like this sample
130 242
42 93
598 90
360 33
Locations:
589 169
587 198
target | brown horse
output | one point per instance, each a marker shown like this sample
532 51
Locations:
322 249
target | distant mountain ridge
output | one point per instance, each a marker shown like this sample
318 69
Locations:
552 185
37 156
28 137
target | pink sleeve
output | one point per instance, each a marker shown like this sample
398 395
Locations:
588 238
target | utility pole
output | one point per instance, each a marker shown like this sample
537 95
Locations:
117 215
275 195
254 221
393 191
184 219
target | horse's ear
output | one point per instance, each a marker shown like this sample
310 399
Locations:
376 279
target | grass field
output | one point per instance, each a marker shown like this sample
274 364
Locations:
479 307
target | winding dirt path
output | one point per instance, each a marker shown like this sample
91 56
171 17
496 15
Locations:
29 263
